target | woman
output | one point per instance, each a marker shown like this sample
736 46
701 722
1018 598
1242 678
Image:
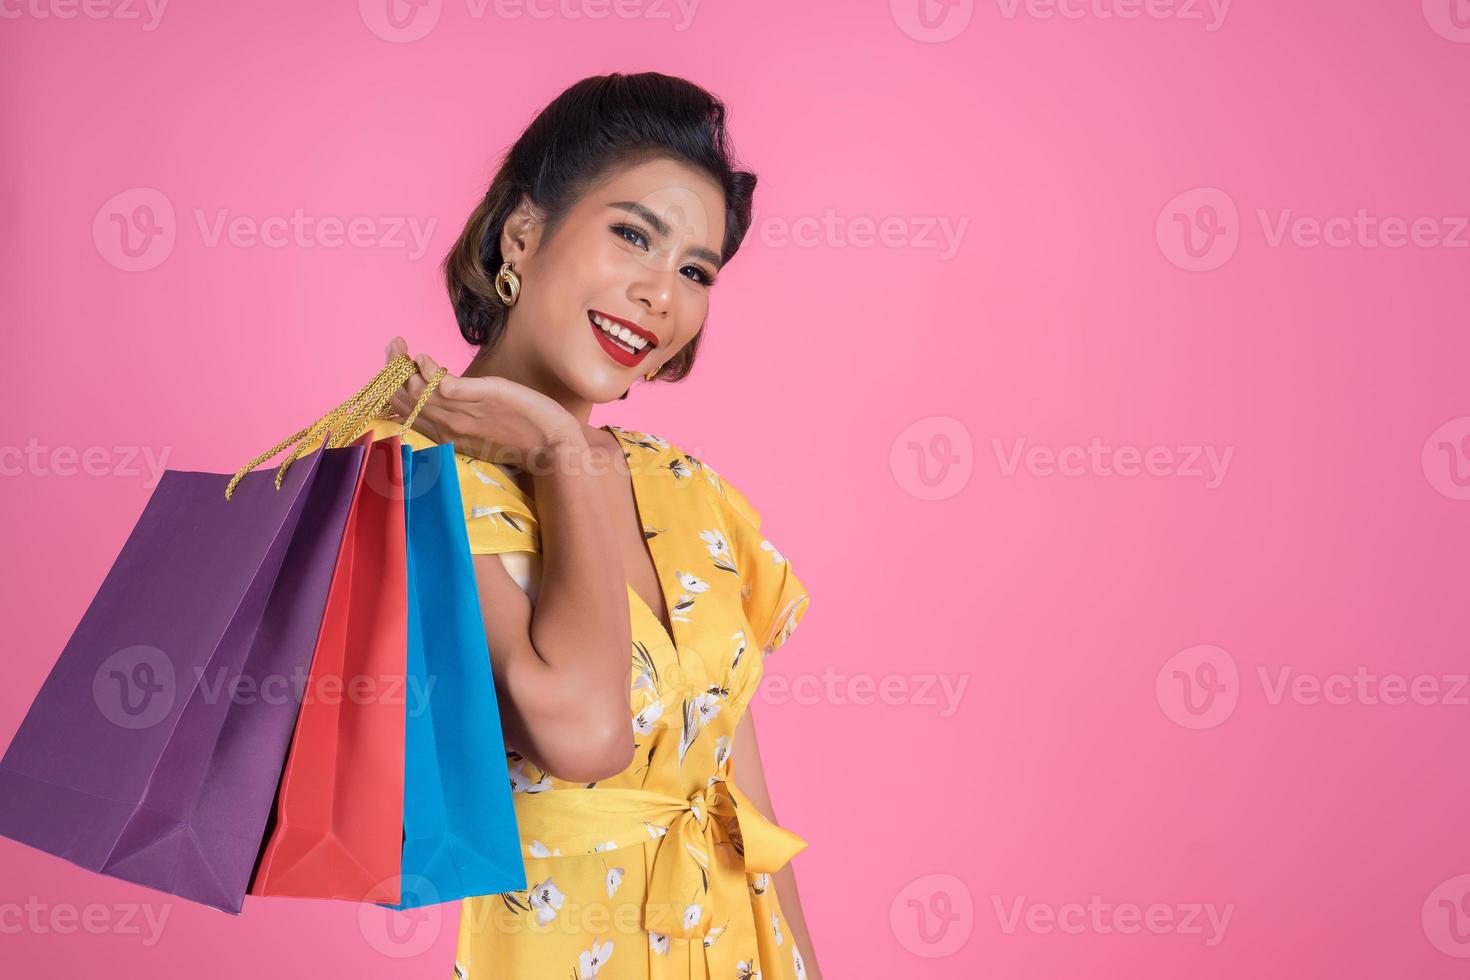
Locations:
589 263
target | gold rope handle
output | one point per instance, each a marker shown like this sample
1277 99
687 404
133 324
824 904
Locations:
348 420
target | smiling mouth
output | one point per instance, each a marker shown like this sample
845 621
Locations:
620 334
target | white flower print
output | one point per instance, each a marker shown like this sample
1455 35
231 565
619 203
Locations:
708 705
697 713
546 898
654 830
644 440
460 973
796 962
690 730
744 971
614 879
693 586
539 850
643 720
719 549
761 883
739 637
776 556
593 959
520 784
722 751
610 845
691 582
481 475
647 671
786 622
659 943
679 466
776 925
692 914
712 935
510 520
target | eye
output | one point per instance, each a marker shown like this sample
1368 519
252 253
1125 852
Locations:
620 229
637 237
704 277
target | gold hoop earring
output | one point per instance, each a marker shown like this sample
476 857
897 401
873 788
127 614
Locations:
512 285
650 374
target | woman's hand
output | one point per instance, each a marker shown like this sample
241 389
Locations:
493 419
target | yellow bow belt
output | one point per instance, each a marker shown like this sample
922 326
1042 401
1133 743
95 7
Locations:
563 822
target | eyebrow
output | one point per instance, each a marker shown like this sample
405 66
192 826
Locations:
661 227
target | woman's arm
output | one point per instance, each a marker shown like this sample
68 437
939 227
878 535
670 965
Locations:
561 669
752 781
561 664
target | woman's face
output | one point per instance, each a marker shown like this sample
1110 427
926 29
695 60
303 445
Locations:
637 252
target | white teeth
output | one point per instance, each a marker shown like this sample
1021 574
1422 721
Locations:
627 336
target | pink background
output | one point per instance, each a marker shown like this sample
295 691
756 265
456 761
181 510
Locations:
868 393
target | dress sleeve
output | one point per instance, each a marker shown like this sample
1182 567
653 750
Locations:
496 514
775 599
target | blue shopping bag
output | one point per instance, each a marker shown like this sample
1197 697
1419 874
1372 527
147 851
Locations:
459 826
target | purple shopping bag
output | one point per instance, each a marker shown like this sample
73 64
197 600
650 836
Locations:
154 749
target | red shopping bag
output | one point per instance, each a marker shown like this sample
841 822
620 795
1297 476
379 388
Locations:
337 828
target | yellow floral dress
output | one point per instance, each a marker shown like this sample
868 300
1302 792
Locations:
663 871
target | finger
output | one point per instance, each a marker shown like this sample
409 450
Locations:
402 392
411 389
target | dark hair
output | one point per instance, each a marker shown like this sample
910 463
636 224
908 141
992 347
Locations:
600 124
